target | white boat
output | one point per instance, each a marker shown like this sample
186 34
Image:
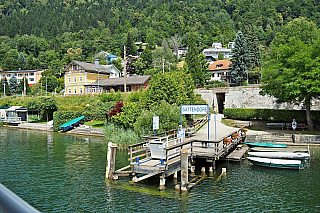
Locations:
277 163
288 149
280 155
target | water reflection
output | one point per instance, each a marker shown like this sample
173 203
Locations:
61 172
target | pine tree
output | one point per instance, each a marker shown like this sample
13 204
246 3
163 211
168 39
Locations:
240 59
21 86
193 63
253 47
131 48
4 87
13 85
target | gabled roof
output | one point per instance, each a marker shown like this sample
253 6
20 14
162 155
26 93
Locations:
18 71
120 81
220 65
90 67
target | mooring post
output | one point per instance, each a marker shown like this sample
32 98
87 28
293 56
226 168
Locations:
203 170
214 164
184 169
192 169
162 185
111 160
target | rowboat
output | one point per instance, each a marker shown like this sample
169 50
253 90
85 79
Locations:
273 145
277 163
280 155
288 149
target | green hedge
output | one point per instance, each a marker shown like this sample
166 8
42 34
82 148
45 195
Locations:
277 115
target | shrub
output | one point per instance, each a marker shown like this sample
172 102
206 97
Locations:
169 118
277 115
130 112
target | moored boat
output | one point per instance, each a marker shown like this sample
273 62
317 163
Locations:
280 155
273 145
288 149
277 163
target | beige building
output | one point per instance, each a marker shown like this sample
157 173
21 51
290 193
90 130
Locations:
33 76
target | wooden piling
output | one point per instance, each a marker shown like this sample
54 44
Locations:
111 160
184 169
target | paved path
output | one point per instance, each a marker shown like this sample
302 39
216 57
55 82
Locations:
221 129
214 126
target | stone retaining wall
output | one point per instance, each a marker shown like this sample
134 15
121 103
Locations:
248 97
308 139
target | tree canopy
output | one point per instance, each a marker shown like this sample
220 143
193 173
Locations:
293 72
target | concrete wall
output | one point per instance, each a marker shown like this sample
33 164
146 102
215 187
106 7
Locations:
308 139
248 97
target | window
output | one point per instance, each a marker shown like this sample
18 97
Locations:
31 79
75 79
16 74
93 89
69 79
3 75
74 67
80 78
80 89
75 90
32 74
20 75
9 75
69 90
26 74
18 80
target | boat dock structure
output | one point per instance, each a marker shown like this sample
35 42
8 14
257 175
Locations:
167 155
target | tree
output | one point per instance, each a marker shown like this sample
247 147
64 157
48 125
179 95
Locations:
253 47
131 48
13 85
193 63
46 106
145 62
240 59
293 72
21 86
4 87
173 87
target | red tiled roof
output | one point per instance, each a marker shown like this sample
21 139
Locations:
224 65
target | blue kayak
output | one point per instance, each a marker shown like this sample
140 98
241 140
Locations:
270 145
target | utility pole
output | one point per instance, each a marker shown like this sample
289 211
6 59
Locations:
163 64
4 87
97 66
125 69
46 86
24 84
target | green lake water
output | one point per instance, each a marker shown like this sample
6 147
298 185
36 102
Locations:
66 173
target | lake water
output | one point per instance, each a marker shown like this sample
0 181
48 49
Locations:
66 173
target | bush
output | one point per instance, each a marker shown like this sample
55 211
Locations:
169 118
112 96
277 115
130 112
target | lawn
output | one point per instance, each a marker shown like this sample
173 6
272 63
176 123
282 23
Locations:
95 124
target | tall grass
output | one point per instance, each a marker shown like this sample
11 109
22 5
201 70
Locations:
122 137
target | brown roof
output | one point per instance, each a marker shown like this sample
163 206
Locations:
120 81
90 67
223 65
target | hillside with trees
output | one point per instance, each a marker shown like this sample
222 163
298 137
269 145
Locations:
52 33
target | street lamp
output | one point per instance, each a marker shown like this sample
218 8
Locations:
96 64
169 65
46 86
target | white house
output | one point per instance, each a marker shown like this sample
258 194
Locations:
212 53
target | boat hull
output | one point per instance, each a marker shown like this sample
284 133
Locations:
280 155
276 163
288 149
269 145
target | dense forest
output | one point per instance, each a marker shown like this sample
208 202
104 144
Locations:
51 33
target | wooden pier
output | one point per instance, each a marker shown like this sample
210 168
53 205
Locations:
167 155
237 154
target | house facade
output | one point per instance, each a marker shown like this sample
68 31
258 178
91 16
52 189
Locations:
219 70
78 74
133 84
33 76
212 54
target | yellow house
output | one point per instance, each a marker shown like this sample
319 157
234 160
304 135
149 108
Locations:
78 74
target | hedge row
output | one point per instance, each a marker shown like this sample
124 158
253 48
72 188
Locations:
277 115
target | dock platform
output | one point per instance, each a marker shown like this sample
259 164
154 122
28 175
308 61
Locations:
238 153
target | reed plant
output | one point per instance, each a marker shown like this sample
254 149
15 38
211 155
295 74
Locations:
121 136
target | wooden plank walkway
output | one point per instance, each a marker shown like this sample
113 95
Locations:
237 154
